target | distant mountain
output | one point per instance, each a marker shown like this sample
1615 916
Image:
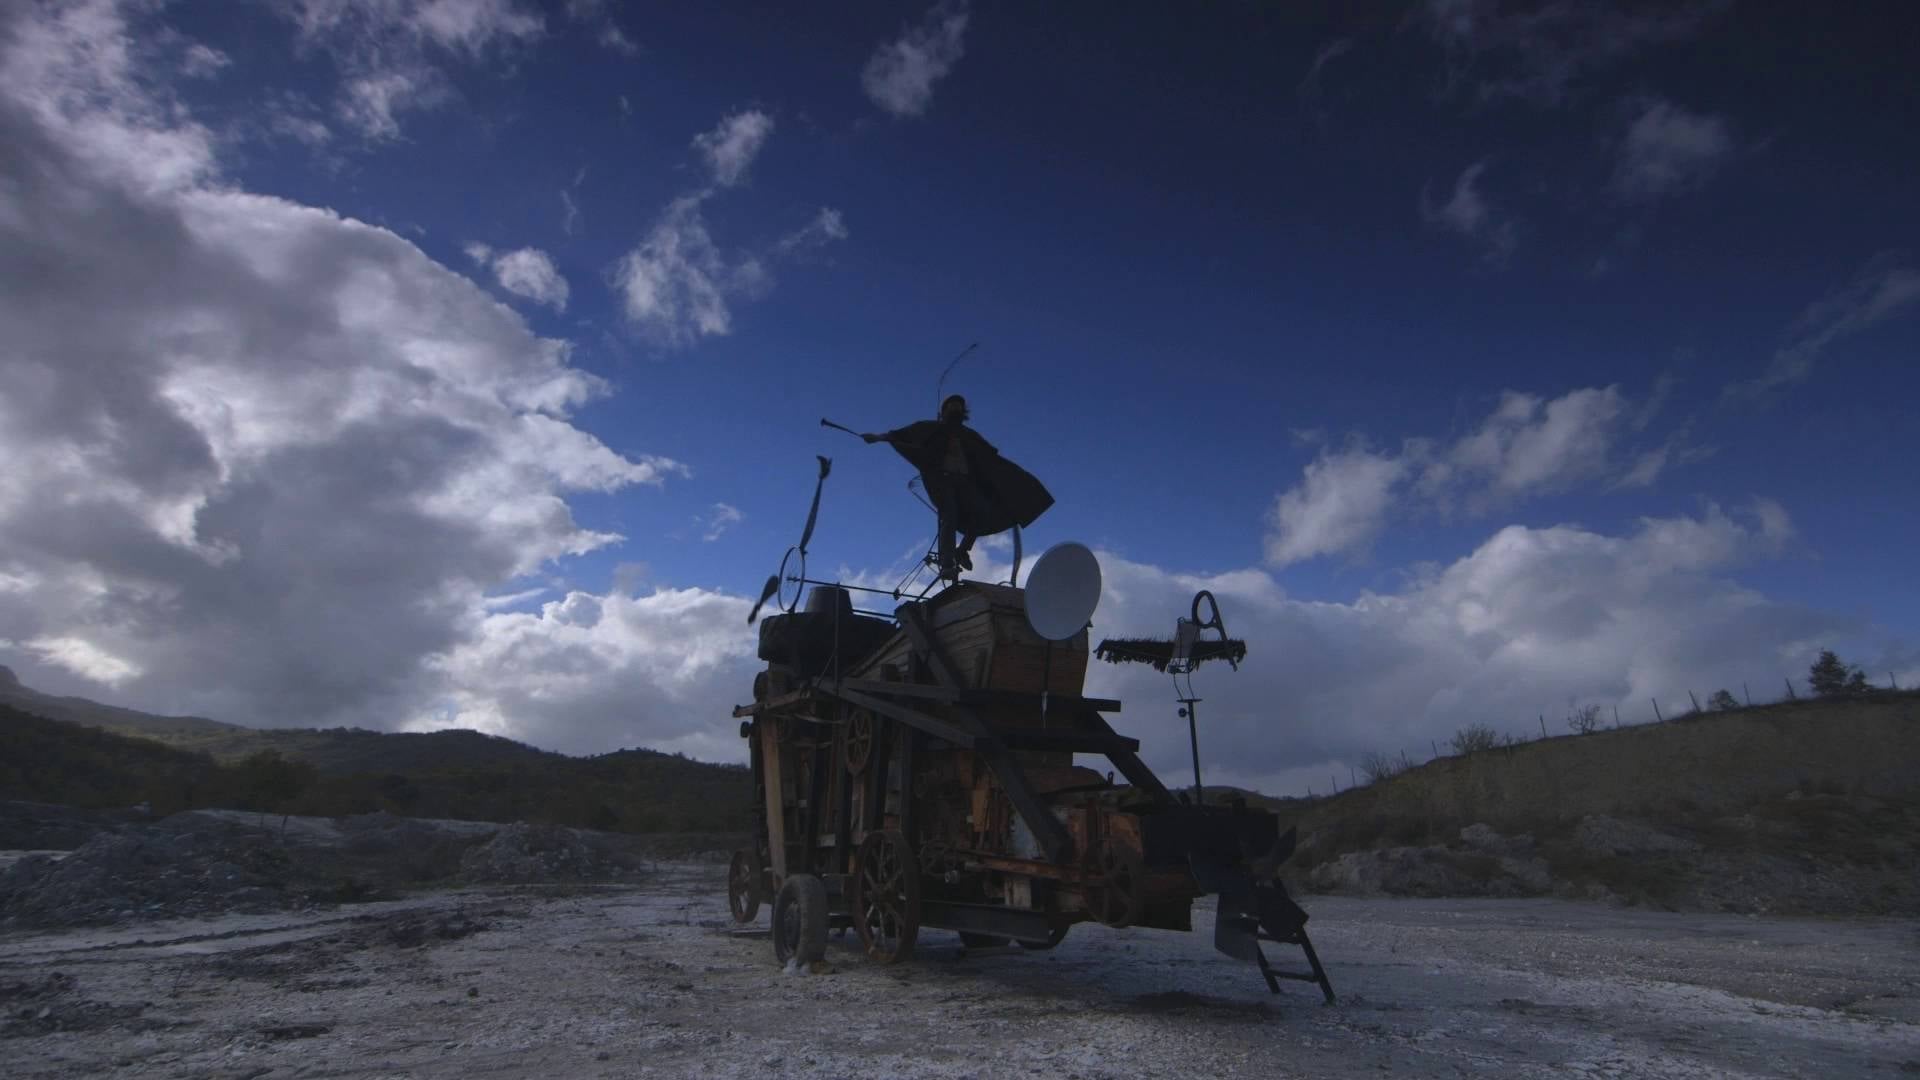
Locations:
78 710
79 752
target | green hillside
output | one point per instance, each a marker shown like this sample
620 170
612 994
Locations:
81 753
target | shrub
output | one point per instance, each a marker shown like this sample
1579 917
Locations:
1474 737
1584 720
1722 700
1376 767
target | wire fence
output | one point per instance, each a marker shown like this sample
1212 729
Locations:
1591 718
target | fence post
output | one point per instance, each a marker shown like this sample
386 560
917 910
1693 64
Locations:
1892 682
1543 725
1436 747
1695 700
1335 778
1791 696
1748 693
1351 781
1616 718
1656 710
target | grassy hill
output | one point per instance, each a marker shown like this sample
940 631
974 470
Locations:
81 753
1808 805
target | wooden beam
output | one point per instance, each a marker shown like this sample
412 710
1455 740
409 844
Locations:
1080 742
962 737
1127 761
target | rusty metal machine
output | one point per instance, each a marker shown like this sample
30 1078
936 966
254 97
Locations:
916 768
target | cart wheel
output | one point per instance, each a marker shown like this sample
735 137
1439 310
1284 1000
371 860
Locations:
800 920
886 896
1116 900
1054 937
859 740
743 887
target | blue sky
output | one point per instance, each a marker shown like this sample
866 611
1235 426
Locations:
1323 301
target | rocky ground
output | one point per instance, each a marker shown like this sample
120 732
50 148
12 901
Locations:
649 979
120 867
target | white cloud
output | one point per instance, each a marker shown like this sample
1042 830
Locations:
1534 620
1886 287
202 61
1340 505
529 272
900 75
1668 150
675 285
826 227
1539 53
594 14
84 659
1527 446
1468 213
730 148
722 518
390 54
265 462
1309 91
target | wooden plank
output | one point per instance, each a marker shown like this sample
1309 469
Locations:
776 814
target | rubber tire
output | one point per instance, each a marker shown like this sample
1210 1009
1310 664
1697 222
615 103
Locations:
801 904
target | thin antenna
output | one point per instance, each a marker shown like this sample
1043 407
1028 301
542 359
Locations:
940 387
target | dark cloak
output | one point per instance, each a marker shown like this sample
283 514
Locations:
1010 495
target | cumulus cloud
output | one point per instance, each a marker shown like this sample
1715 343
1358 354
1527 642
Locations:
1887 286
1532 621
392 56
1468 213
730 148
1539 53
1668 150
1527 446
265 462
527 272
1340 505
900 75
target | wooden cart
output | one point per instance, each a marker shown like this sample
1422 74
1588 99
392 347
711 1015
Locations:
919 771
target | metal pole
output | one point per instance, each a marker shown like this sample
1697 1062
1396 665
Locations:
1193 739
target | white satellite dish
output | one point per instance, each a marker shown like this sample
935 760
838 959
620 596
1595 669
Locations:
1063 588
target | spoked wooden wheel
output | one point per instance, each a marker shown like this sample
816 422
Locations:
1116 898
886 896
743 886
859 740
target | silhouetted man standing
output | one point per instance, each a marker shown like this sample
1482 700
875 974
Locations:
975 491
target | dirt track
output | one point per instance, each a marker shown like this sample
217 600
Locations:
647 981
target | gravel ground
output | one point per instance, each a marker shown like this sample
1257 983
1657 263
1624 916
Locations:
648 980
